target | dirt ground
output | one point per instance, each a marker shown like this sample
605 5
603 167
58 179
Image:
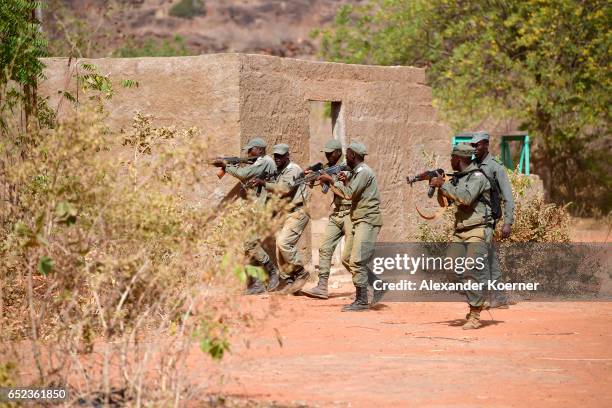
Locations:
308 353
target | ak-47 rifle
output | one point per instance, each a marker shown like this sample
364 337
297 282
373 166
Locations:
426 175
316 170
229 160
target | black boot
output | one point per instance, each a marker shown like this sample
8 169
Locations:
254 287
319 291
296 281
361 301
273 275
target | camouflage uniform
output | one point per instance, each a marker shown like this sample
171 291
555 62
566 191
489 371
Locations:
294 223
496 172
472 217
339 225
366 218
262 168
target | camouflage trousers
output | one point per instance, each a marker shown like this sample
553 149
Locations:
360 246
338 226
287 254
253 248
472 243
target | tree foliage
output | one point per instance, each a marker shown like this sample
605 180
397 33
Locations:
21 46
543 63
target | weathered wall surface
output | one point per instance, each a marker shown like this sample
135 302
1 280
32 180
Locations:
387 108
183 92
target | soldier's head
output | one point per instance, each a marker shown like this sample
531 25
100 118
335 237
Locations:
255 147
355 154
281 155
480 142
461 156
333 151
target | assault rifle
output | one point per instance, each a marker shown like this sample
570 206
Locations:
316 170
230 160
426 175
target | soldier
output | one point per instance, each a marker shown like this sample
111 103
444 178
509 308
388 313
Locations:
496 173
338 226
470 191
289 260
362 190
262 168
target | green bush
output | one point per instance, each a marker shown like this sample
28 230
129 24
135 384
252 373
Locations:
188 9
152 48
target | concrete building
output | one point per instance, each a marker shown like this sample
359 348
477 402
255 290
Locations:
233 97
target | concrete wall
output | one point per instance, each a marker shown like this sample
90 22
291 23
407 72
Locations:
233 97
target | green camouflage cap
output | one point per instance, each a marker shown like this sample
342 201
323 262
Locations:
358 148
478 136
255 142
462 150
281 148
332 145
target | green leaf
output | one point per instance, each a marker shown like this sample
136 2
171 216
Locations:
45 265
129 83
65 213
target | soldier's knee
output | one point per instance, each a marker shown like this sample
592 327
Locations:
325 251
284 247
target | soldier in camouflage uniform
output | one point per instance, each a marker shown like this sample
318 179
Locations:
496 172
362 190
289 260
338 226
262 168
470 191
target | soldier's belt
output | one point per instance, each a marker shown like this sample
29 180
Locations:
468 224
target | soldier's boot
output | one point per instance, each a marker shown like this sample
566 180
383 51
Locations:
296 281
273 276
473 319
319 291
255 287
361 301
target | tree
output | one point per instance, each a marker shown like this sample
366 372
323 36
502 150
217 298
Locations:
544 63
21 47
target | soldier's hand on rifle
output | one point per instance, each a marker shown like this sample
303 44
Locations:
326 178
506 230
436 181
219 163
256 182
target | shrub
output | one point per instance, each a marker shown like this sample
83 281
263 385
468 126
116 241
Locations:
153 48
188 9
103 249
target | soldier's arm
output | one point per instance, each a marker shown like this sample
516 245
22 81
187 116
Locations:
465 194
505 188
357 184
246 173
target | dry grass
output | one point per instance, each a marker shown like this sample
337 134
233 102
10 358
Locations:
110 273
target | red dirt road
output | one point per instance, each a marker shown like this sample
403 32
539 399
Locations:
416 354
